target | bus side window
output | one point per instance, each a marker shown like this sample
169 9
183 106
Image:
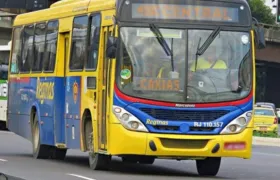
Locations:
50 47
39 43
93 44
16 50
27 52
79 40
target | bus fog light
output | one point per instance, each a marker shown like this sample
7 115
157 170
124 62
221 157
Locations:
134 125
128 120
232 128
238 124
242 121
249 114
125 117
117 110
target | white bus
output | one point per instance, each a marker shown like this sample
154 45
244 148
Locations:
4 62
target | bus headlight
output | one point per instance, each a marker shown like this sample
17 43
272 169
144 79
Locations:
128 120
238 124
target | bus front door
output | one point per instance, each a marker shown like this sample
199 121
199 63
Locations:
104 91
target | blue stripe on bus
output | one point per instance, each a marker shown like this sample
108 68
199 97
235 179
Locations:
52 95
134 108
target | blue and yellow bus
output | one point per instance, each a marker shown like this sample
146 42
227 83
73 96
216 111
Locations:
136 79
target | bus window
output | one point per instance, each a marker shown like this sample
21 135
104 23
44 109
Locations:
39 44
94 42
79 39
27 53
3 72
4 57
51 44
16 54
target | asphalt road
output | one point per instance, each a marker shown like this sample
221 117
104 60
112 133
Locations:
16 160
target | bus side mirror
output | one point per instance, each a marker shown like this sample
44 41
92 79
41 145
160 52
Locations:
111 48
259 37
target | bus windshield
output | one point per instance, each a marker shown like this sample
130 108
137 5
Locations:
222 73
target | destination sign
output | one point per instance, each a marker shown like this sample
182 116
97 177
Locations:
184 12
181 11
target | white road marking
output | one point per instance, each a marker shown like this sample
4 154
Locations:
79 176
3 160
267 154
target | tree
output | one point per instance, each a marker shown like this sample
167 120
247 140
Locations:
262 12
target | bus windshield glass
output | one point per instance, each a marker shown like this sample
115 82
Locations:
146 69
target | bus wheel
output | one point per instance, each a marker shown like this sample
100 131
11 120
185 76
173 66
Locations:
96 161
147 160
208 166
39 151
58 154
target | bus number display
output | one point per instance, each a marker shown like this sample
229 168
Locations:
209 124
185 12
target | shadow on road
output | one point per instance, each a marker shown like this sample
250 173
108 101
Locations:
118 167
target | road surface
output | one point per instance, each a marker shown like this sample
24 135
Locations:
16 160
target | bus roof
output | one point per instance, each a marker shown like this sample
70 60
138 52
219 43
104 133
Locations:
64 8
67 8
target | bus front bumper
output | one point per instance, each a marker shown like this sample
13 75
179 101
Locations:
125 142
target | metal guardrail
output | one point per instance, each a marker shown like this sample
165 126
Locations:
272 32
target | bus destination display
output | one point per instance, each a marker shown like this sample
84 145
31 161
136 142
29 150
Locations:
185 12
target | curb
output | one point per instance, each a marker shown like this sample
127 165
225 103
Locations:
266 141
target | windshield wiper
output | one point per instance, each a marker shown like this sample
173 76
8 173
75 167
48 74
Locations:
239 89
206 44
163 43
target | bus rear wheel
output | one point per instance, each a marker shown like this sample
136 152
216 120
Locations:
208 166
96 161
40 151
58 154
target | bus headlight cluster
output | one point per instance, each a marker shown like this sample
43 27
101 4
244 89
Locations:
238 124
128 120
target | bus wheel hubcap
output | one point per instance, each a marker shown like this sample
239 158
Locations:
36 137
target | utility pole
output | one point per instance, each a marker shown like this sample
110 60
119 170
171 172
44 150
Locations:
277 6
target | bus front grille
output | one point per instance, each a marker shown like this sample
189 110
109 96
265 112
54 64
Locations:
183 115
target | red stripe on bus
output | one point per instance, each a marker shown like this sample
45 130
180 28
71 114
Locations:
20 80
161 103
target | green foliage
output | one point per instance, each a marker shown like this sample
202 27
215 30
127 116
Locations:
266 134
262 12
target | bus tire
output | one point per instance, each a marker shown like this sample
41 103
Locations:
58 154
99 161
40 151
96 161
209 166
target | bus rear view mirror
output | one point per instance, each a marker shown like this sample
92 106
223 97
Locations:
259 37
111 48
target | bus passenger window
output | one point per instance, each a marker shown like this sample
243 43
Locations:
79 39
16 53
39 43
93 42
51 44
27 53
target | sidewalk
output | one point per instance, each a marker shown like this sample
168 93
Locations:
267 141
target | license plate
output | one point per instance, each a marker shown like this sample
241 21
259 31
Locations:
263 128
